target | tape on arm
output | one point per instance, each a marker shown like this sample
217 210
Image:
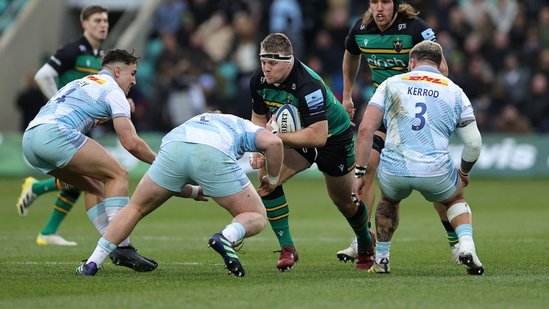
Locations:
45 79
472 141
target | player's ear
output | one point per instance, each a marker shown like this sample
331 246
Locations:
412 63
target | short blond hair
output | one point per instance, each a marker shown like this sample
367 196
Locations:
277 43
427 50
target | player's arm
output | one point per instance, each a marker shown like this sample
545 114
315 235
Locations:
131 141
271 146
194 192
125 129
469 134
371 120
46 80
350 66
260 120
313 135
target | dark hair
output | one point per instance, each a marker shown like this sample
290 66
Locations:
90 10
119 55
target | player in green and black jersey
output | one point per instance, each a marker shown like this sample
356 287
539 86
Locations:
72 61
383 37
326 139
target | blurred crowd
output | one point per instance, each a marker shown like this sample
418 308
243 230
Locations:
201 54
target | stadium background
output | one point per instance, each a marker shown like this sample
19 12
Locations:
198 55
510 214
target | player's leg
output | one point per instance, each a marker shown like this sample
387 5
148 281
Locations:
225 181
147 197
387 219
451 235
249 218
447 190
339 190
278 210
460 216
368 194
62 206
31 189
393 190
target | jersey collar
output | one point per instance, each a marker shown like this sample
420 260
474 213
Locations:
427 68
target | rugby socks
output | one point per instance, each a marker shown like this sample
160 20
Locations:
451 234
359 223
98 217
102 250
63 205
234 232
44 186
277 212
383 250
112 206
465 232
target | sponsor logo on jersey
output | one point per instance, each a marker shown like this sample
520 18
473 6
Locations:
96 79
341 167
362 26
386 62
397 45
429 34
425 78
314 100
82 47
401 27
365 42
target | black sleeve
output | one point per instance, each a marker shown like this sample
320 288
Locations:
64 58
350 43
422 31
258 105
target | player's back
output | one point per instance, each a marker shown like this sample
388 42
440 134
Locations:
82 104
232 135
422 109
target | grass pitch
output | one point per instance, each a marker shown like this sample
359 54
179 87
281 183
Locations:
510 231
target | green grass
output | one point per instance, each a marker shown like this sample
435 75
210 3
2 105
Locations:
510 226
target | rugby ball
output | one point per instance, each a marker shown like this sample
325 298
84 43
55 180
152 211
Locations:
287 119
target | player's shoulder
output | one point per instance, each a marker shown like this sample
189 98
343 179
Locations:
413 23
358 26
257 78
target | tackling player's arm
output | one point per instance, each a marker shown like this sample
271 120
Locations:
272 148
131 141
125 129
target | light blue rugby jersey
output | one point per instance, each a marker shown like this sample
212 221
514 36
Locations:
422 109
85 103
230 134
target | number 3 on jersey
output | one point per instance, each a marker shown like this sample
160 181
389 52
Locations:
422 109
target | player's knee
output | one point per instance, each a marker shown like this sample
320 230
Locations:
457 209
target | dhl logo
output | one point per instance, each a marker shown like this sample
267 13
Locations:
100 121
95 79
425 78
